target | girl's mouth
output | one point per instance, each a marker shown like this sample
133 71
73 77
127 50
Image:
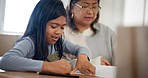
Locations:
54 38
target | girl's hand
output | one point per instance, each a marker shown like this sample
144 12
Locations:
83 65
57 67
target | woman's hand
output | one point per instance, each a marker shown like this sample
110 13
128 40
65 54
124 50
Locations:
57 67
104 62
83 65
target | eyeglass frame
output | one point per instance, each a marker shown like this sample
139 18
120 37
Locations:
87 7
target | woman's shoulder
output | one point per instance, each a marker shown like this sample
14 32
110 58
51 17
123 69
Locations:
102 27
69 32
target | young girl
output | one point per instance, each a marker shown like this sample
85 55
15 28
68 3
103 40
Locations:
41 47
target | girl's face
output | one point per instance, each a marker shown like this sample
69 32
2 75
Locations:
85 11
54 29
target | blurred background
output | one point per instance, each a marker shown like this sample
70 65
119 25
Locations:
14 14
129 18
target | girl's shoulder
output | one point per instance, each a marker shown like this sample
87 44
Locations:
25 41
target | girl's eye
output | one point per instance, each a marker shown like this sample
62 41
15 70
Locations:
62 27
94 7
53 26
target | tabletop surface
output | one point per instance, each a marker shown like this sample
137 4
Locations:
12 74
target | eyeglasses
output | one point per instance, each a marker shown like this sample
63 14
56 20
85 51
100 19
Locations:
87 8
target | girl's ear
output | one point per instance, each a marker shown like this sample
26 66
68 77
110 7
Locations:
72 9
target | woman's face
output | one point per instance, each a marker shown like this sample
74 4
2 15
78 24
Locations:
85 11
54 29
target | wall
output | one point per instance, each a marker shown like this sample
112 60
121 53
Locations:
7 42
2 6
112 13
146 14
136 13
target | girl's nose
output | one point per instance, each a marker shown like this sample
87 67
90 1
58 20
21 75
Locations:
59 31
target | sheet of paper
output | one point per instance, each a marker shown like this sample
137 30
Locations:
96 61
1 71
104 71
